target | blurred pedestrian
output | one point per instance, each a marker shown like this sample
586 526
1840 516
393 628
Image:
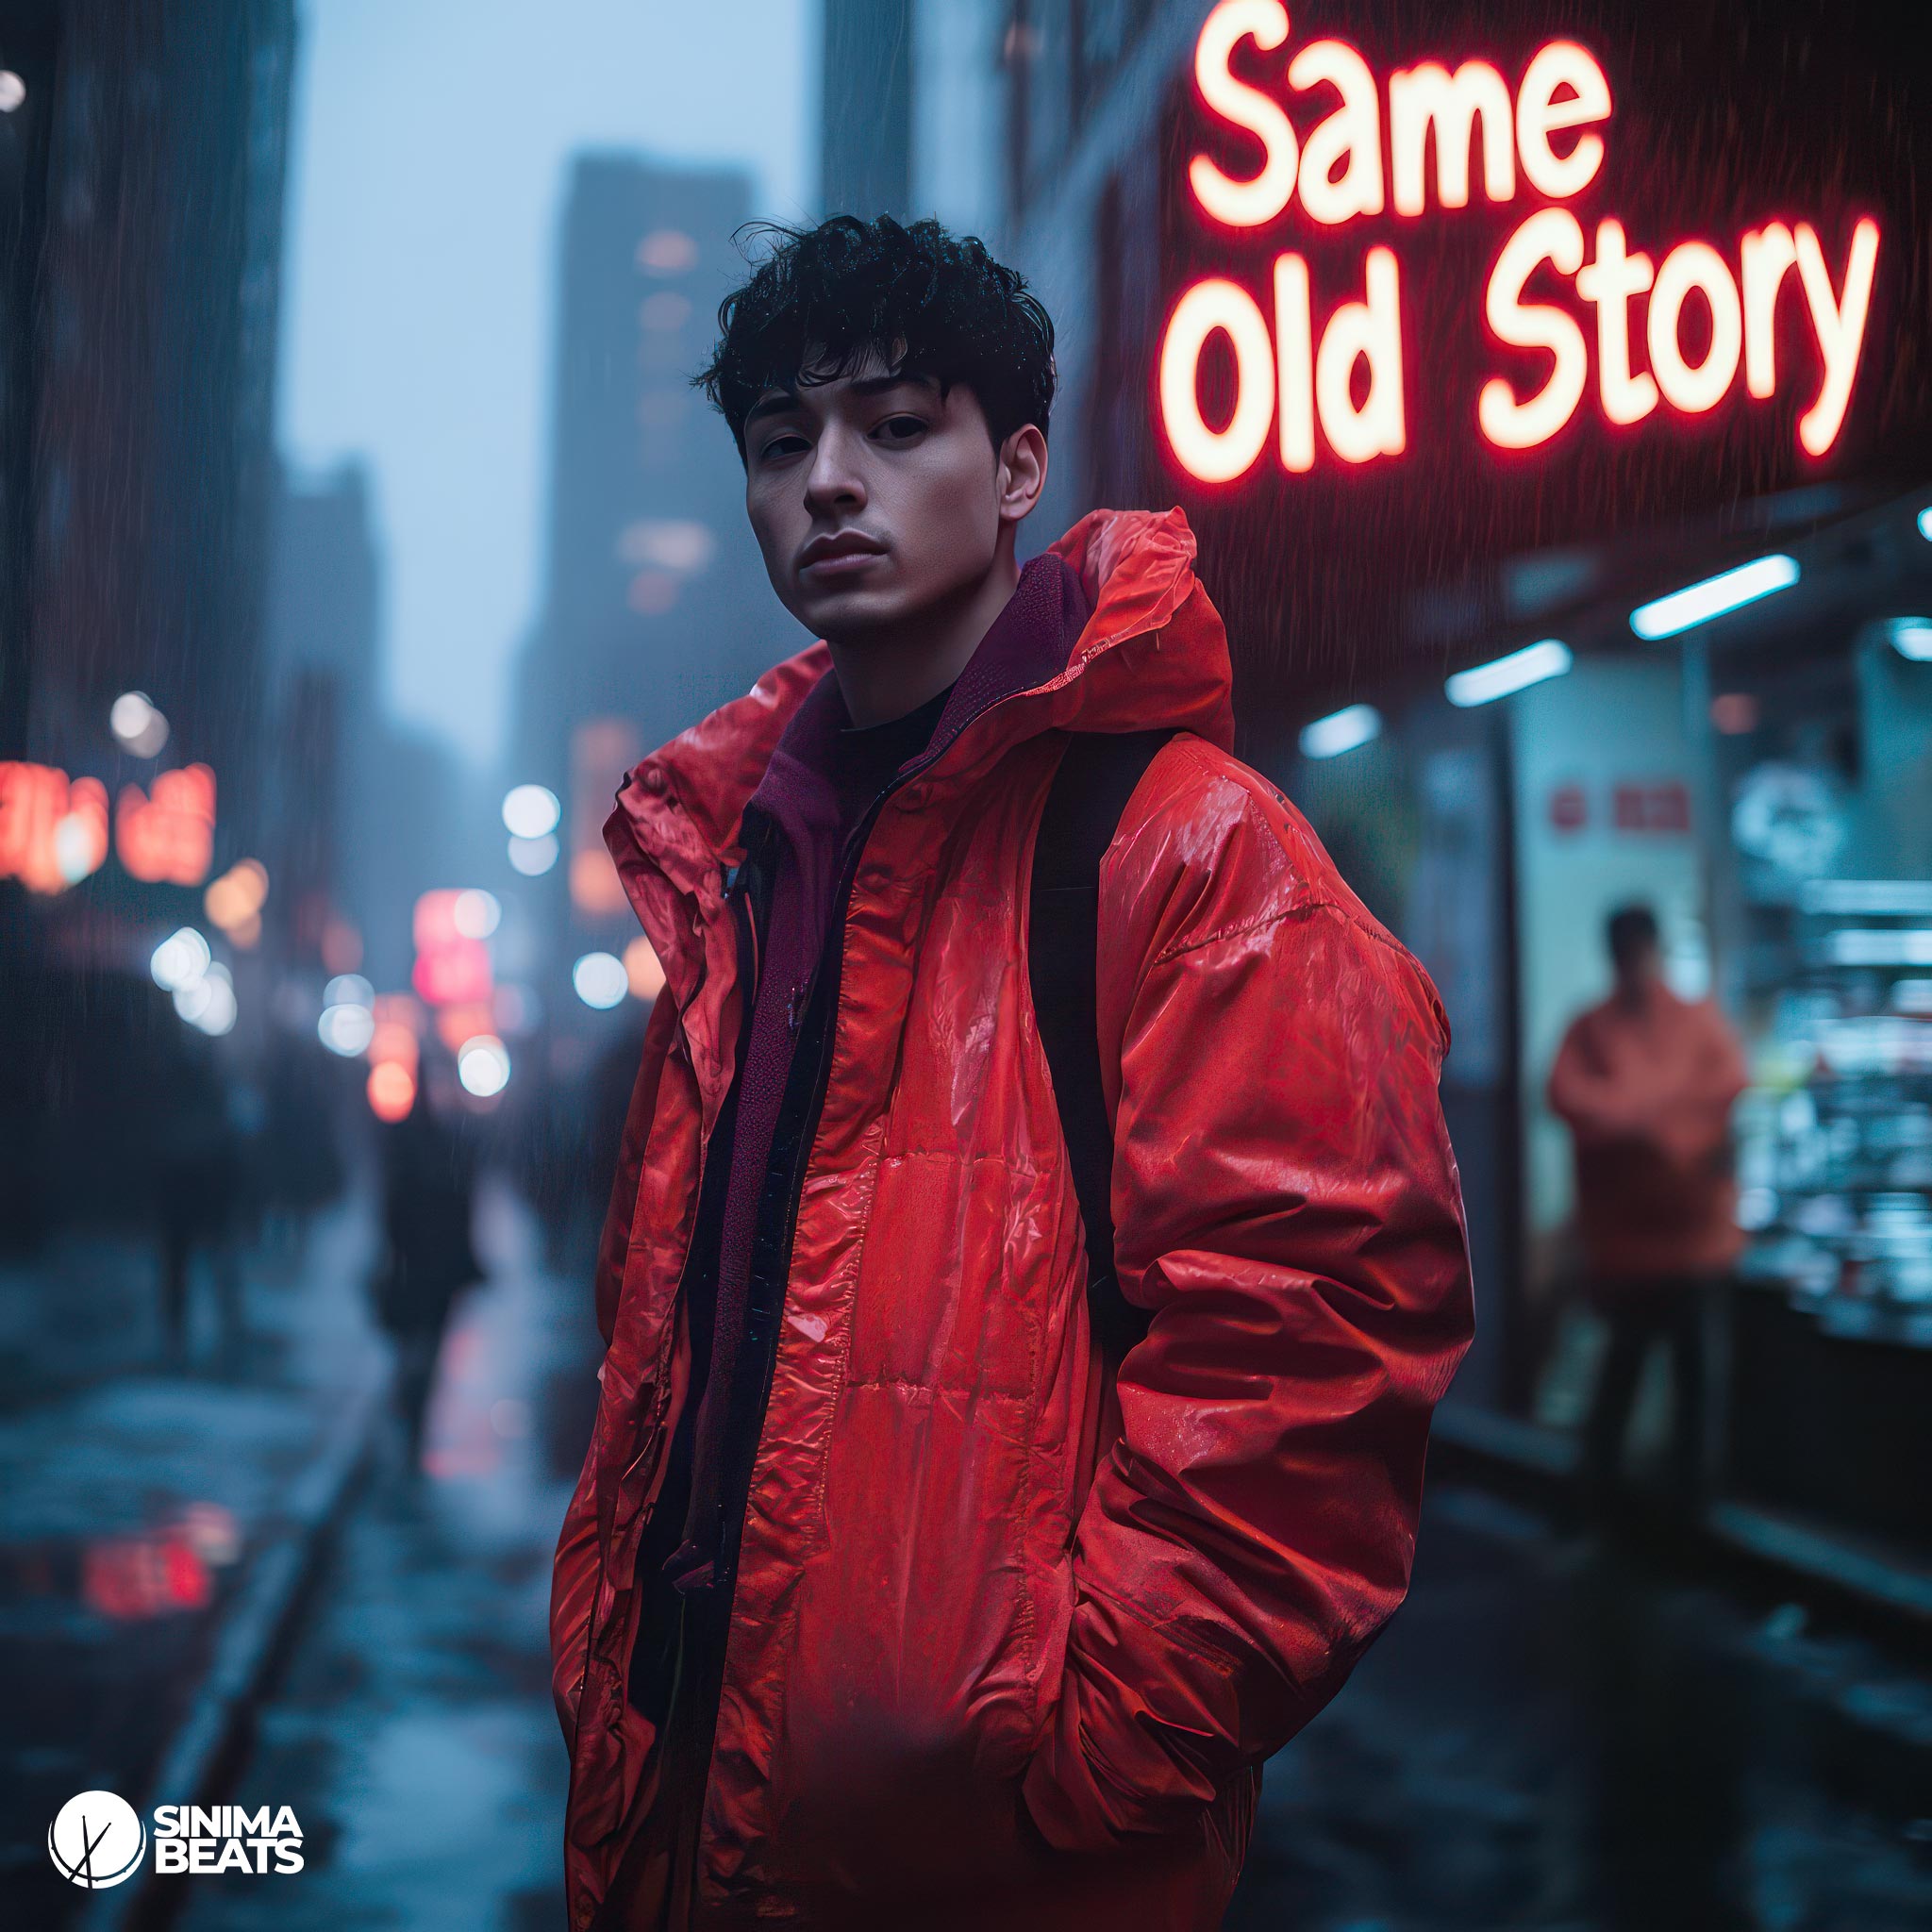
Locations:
302 1157
428 1194
198 1192
1645 1082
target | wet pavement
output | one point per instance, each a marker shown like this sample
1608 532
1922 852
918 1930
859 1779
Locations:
137 1496
1553 1734
414 1732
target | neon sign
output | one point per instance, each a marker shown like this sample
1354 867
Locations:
452 965
1306 386
168 835
53 829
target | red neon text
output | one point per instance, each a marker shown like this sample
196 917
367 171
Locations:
1740 310
1338 170
1675 331
1279 375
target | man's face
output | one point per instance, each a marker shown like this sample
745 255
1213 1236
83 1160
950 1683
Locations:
908 484
1639 966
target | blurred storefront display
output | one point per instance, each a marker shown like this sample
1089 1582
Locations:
1824 759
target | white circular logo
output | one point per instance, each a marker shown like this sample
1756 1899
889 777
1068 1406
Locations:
97 1840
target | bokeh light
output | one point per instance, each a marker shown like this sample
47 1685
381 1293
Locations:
601 980
476 914
207 1001
483 1066
642 970
346 1030
531 811
234 901
391 1090
137 725
180 960
534 857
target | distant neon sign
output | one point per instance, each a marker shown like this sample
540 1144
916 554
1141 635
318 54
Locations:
166 834
53 829
1306 386
452 965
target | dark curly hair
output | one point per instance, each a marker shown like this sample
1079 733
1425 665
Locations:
1630 930
848 289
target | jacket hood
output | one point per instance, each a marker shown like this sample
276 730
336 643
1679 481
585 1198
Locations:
1153 653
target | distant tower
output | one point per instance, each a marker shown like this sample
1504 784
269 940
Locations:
656 607
324 605
865 157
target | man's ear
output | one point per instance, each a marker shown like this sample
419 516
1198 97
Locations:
1022 473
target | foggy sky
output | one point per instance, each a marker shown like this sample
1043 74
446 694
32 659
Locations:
430 141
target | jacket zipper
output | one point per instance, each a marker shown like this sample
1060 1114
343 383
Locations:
747 936
748 1421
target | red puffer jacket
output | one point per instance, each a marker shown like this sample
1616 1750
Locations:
1009 1641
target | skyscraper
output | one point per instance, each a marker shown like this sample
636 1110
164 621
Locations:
656 607
865 142
141 163
154 311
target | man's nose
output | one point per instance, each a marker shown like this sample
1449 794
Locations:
834 477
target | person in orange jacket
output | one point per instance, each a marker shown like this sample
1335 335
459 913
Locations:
893 1591
1645 1082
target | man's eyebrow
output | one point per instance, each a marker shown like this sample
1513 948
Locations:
785 400
772 404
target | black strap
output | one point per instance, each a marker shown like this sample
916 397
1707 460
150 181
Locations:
1096 777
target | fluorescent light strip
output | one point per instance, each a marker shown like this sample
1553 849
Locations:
1911 638
1882 946
1340 731
1866 895
1699 603
1482 683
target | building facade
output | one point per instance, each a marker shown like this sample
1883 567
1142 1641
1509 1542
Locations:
1466 338
142 152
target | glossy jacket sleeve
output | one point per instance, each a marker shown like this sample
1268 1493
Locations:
1287 1206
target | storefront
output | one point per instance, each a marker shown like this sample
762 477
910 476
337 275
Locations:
1764 782
1821 754
1465 338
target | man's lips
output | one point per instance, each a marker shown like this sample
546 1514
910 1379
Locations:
838 558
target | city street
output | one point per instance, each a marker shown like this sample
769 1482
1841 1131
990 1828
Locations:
892 648
1549 1736
154 1507
412 1731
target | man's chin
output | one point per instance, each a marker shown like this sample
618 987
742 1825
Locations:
855 614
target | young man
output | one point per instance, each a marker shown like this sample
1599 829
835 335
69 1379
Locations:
1646 1083
899 1589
